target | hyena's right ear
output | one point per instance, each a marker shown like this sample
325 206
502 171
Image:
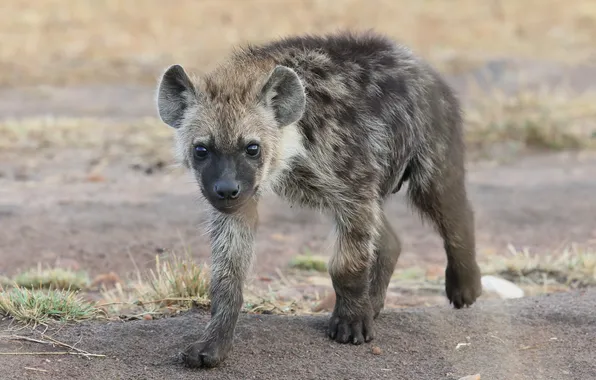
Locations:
284 94
175 93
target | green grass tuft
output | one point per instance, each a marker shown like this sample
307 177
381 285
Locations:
42 306
309 261
52 278
5 282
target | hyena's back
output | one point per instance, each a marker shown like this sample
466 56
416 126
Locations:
374 113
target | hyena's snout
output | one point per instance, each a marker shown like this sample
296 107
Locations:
228 181
227 194
226 189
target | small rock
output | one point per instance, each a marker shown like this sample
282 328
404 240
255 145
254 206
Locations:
108 280
147 317
21 174
289 294
471 377
505 289
326 304
96 177
280 237
376 350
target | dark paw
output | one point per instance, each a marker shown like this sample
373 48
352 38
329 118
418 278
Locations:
463 285
356 328
204 354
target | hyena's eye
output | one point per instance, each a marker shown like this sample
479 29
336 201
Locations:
200 151
253 150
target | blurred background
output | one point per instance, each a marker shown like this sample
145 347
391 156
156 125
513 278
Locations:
88 190
62 42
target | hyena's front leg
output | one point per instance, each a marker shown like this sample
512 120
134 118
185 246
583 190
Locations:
232 239
352 317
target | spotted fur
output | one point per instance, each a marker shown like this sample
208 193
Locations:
343 121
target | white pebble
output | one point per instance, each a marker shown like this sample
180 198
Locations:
505 289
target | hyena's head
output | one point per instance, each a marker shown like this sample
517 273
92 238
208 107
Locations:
235 129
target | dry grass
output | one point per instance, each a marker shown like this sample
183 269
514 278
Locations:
539 119
178 278
43 306
176 283
100 41
146 142
545 273
141 135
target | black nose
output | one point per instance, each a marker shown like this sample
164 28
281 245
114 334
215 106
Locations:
227 189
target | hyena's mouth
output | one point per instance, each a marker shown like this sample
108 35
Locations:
232 206
228 208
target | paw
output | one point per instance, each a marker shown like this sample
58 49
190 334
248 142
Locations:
355 327
206 354
462 284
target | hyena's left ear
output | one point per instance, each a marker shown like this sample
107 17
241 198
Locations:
175 93
284 94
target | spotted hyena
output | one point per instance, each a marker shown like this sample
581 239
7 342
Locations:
337 123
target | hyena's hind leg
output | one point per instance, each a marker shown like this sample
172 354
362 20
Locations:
442 198
386 254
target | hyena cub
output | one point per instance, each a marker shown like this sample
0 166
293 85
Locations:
337 123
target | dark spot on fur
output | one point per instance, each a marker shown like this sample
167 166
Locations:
410 110
323 97
348 115
404 179
320 73
304 177
310 136
386 61
396 85
364 79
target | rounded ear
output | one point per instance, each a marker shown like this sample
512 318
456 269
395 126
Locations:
284 94
175 93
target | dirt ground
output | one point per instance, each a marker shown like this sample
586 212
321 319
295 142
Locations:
544 338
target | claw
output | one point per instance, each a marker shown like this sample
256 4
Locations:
463 288
355 330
